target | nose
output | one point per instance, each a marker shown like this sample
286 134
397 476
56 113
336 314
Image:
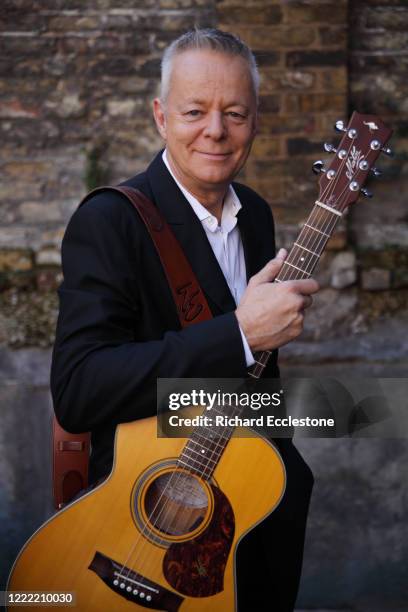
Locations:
215 127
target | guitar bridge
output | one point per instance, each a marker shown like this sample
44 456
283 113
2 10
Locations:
134 586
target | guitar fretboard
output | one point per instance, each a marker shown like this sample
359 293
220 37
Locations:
206 445
303 258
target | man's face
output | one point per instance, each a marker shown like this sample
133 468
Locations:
209 118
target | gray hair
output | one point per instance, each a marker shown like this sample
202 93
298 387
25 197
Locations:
206 38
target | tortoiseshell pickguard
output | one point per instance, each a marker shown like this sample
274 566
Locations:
196 568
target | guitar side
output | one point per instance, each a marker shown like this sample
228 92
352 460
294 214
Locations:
249 482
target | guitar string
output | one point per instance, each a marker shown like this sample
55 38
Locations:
309 236
146 528
342 196
329 188
211 455
208 458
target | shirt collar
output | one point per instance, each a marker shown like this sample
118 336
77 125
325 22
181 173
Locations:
230 208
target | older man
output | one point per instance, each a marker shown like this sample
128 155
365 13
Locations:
118 329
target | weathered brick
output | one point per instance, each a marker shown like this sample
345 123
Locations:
299 12
266 58
269 103
376 279
48 280
266 147
334 36
386 17
388 41
260 16
123 108
31 212
282 124
270 189
333 80
322 58
48 256
303 146
259 38
298 36
14 191
15 260
15 108
73 23
311 102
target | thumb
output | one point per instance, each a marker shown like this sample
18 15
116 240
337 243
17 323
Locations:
268 272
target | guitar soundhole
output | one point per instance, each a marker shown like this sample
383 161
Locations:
176 503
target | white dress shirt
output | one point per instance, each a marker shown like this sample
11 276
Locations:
226 243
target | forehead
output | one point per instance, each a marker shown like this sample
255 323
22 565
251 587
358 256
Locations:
211 74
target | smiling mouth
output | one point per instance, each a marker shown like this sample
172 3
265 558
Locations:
215 155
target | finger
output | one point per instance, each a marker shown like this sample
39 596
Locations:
307 302
304 286
270 271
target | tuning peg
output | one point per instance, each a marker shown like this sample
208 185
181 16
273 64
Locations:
375 171
318 167
329 148
388 151
366 192
339 126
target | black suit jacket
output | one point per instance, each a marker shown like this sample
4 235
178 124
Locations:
118 329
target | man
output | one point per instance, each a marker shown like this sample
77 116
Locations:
118 329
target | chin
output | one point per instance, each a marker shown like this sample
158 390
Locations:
213 176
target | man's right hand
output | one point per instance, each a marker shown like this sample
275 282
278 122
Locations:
271 314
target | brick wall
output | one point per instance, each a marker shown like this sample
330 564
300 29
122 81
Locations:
75 91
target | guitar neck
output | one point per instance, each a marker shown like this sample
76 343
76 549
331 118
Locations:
340 185
206 445
303 258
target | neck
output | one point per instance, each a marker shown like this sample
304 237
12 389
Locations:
212 199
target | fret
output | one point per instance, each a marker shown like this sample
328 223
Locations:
211 441
316 230
201 455
201 445
216 450
306 249
225 412
286 263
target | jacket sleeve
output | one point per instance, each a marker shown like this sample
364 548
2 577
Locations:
100 373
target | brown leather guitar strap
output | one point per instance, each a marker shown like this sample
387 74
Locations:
71 451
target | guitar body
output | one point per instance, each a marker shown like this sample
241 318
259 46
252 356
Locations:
184 557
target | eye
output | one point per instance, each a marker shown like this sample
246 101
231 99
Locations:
193 112
236 115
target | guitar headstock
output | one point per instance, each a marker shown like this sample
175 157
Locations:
363 140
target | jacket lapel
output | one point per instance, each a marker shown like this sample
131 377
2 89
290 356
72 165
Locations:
189 232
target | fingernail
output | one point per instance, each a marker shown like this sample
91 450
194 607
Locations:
281 253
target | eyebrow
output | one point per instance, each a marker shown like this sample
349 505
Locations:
203 102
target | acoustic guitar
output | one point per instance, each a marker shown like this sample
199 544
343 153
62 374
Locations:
162 531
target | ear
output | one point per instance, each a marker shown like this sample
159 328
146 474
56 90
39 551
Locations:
255 124
160 117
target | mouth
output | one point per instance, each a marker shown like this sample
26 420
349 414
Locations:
219 156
